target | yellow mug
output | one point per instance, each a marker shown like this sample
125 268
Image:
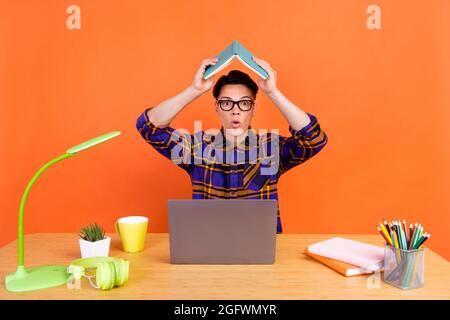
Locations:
132 231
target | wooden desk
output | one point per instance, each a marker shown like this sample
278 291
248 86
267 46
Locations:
293 276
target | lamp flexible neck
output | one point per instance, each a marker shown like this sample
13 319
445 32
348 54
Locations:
20 242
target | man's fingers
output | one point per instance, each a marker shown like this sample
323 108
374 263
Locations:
209 61
266 66
205 63
262 63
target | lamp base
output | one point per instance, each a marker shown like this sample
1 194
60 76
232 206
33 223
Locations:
36 278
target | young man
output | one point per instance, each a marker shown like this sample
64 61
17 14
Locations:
235 163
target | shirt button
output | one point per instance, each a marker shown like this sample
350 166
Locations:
233 193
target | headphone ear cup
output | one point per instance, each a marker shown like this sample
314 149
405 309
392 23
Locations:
105 275
121 267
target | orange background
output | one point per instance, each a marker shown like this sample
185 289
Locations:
381 96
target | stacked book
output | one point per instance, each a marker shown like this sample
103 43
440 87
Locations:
348 257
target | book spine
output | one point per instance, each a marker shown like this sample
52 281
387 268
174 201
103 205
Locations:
235 48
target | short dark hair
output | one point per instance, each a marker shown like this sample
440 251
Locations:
235 77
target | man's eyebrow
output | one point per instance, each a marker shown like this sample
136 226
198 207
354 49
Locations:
241 97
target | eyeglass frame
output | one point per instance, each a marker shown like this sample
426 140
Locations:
235 102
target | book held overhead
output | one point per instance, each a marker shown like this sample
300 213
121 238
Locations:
235 50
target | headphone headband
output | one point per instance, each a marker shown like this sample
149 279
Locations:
110 271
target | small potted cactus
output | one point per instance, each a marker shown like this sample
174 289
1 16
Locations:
93 241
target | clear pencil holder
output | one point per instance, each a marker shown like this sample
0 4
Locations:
404 269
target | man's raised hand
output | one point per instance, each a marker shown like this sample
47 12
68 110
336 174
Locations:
199 84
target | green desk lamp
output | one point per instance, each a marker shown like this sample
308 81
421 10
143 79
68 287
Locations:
28 279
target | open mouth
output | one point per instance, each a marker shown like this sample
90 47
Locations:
235 123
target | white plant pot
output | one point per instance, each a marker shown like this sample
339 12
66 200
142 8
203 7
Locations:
94 249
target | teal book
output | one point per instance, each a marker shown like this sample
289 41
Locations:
226 56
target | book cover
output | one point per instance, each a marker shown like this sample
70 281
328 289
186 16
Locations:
235 50
350 251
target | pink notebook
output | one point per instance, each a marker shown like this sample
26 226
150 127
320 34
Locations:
357 253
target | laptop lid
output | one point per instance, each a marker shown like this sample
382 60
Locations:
221 231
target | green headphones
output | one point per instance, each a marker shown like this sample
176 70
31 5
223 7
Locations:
111 272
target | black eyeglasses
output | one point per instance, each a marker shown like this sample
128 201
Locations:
243 105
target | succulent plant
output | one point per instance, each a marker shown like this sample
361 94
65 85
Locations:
92 233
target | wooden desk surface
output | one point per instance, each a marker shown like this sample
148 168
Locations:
293 276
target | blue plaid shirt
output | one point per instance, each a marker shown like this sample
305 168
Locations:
220 170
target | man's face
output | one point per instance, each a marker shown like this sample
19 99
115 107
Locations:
236 121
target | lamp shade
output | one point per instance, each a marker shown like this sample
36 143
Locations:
92 142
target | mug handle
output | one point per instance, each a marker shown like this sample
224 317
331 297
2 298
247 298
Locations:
116 226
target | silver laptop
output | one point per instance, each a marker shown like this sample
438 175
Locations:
222 231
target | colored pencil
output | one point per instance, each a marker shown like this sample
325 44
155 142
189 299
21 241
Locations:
423 241
410 233
382 234
386 225
419 235
386 233
401 235
413 236
395 239
406 232
395 245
